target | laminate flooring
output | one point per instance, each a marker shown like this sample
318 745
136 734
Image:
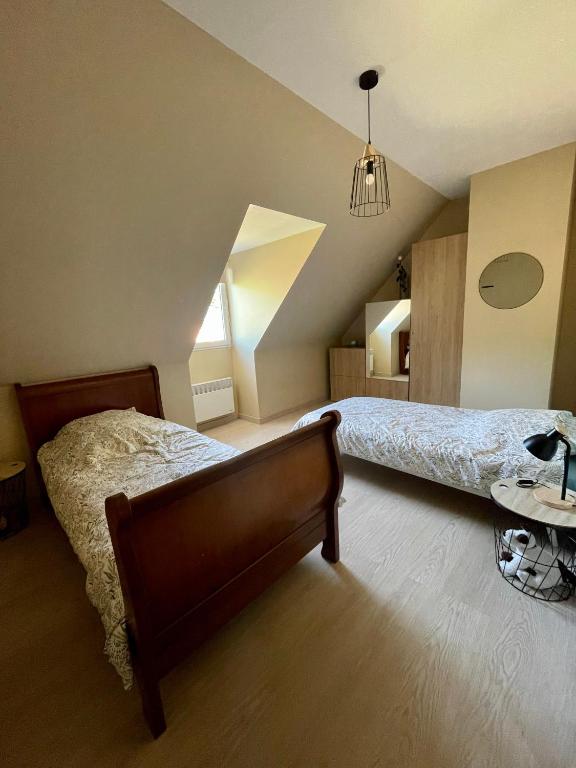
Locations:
411 652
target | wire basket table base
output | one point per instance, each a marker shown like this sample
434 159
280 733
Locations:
537 560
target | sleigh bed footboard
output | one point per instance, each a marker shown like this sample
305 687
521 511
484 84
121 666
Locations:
193 553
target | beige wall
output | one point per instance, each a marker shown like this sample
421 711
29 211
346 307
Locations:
119 214
450 220
12 437
522 206
290 377
380 342
210 364
383 340
259 280
564 375
377 335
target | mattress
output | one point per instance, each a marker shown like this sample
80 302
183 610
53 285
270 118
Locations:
97 456
461 447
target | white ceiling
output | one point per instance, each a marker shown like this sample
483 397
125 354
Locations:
262 225
467 84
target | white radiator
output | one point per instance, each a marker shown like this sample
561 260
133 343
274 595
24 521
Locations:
213 399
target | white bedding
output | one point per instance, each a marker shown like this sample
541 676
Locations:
113 452
460 447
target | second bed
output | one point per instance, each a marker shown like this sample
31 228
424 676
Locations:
464 448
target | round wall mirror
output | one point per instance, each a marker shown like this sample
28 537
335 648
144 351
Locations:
511 280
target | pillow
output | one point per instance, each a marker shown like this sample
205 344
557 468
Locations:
91 440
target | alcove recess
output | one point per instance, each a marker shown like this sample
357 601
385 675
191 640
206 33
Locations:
413 345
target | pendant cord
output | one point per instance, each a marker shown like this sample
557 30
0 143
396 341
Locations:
369 138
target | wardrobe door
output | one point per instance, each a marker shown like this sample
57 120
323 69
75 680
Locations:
437 316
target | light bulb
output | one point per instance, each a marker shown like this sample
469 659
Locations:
370 173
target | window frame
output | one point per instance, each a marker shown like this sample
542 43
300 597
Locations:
222 288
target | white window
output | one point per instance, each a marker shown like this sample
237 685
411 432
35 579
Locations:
215 330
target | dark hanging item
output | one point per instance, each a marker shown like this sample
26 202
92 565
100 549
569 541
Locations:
370 194
401 277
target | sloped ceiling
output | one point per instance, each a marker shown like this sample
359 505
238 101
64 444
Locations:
466 86
262 226
135 144
259 280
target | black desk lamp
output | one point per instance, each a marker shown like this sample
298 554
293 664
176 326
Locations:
544 446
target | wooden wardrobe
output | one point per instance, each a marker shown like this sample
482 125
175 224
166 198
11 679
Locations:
438 279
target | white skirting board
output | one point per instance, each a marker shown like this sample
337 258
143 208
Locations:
213 399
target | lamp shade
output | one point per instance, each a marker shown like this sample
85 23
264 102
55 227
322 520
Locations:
370 193
544 445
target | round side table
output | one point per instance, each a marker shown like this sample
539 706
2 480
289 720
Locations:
13 509
539 559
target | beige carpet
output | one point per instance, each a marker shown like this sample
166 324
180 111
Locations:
411 652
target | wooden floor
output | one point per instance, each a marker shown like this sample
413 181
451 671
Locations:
411 652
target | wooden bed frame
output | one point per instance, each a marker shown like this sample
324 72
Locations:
194 552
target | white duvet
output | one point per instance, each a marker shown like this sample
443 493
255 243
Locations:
461 447
97 456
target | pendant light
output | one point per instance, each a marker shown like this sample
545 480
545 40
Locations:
370 194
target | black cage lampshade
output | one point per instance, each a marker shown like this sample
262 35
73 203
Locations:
370 193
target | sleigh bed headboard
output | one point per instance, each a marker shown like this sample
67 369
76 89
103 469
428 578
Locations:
47 407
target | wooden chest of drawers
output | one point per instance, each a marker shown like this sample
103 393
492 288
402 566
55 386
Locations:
395 389
347 372
348 377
